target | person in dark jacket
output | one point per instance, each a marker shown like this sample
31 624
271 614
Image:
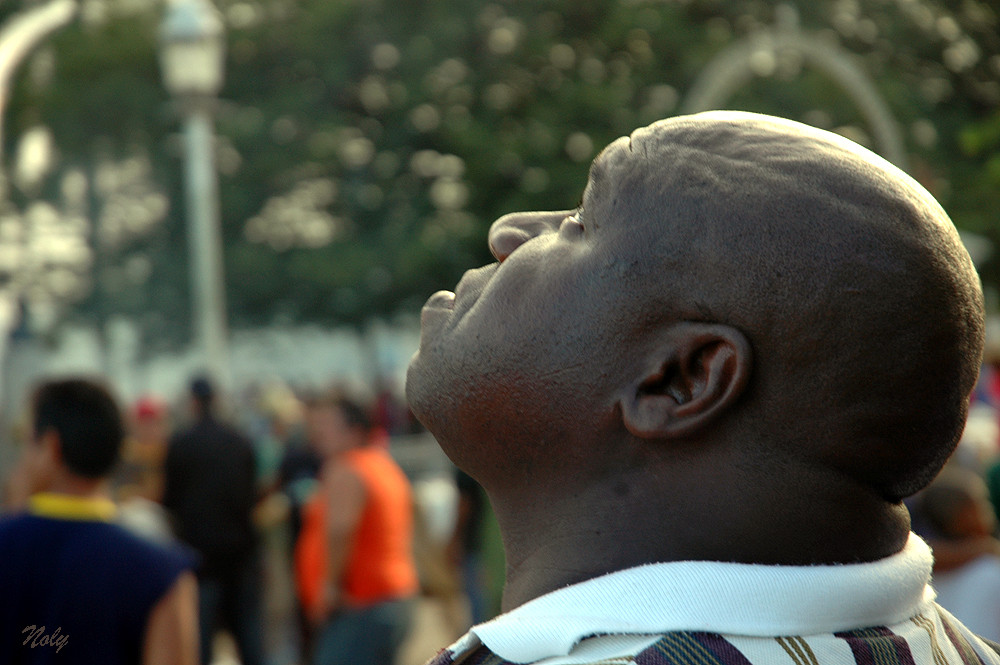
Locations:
210 491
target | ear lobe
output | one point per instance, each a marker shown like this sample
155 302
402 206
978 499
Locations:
695 373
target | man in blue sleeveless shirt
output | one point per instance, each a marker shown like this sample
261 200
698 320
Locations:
697 401
75 588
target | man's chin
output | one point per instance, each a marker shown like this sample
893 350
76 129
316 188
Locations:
417 396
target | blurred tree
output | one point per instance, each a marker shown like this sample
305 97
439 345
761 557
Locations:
95 89
365 146
41 251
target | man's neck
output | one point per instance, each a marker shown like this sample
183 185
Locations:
582 535
73 485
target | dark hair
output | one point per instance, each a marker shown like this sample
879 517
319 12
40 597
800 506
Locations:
355 415
86 418
941 503
203 392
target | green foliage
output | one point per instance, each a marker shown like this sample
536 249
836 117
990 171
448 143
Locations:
366 146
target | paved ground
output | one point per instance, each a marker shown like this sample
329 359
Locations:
431 632
439 620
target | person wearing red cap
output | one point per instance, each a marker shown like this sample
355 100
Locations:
137 483
140 471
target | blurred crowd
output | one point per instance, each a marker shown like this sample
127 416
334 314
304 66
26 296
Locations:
327 526
280 491
957 514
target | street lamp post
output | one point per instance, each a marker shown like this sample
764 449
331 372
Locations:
192 58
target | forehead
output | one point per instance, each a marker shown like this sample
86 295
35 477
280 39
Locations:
714 159
608 166
648 155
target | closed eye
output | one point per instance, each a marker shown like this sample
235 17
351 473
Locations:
574 219
572 223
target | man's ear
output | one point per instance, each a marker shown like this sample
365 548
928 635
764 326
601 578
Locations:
690 376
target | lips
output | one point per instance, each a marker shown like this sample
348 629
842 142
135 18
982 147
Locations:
441 300
453 306
438 305
471 286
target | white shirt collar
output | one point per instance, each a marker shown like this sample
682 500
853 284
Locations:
729 598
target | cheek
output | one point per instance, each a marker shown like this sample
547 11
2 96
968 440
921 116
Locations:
534 346
543 338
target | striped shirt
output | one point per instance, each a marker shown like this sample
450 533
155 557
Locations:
711 613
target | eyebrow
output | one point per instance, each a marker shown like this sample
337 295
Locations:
597 177
581 207
598 171
594 184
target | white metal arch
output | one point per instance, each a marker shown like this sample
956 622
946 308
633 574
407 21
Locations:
733 68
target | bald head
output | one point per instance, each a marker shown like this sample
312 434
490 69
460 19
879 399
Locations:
829 289
747 344
860 301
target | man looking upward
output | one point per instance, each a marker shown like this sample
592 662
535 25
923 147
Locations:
698 400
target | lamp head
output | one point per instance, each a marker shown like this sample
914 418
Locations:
192 53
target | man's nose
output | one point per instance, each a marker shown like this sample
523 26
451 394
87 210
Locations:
513 230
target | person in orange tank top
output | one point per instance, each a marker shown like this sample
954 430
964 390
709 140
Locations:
354 565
